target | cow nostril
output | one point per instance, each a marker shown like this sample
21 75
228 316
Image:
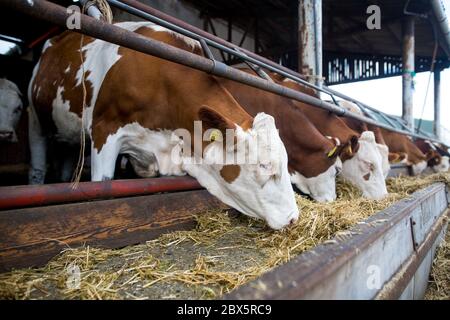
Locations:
292 221
6 134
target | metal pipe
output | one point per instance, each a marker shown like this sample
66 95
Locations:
408 71
57 14
442 20
318 41
437 103
148 13
39 195
306 39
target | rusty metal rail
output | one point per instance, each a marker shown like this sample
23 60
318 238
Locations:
56 14
38 195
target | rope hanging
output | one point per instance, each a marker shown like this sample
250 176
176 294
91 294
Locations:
107 16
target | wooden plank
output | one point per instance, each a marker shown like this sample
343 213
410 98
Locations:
341 270
32 236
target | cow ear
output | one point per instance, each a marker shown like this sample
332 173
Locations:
349 148
211 119
429 155
393 157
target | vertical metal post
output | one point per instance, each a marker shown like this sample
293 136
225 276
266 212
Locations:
408 71
437 103
310 39
318 40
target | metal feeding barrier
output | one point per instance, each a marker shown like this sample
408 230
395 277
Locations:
255 61
57 14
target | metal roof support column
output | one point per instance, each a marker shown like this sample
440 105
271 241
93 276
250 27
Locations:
408 71
310 40
437 103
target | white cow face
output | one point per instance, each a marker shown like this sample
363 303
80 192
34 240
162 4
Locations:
365 168
418 168
443 166
260 187
10 110
321 188
384 152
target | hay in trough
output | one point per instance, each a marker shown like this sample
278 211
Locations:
224 251
439 282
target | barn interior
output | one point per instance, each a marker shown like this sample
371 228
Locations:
170 238
268 28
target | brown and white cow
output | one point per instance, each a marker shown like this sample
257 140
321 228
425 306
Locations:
312 158
360 127
138 105
401 144
10 110
435 160
362 163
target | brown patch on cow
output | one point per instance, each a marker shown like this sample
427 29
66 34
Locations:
307 148
327 123
230 172
366 176
393 157
349 149
401 144
158 94
62 54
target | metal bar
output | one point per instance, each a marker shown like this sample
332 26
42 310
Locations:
306 39
146 12
408 71
437 103
45 10
318 41
34 195
442 20
206 50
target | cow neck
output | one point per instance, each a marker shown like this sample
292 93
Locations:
299 135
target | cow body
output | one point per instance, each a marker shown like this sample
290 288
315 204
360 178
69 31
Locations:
140 105
361 159
403 145
10 110
361 127
437 160
312 161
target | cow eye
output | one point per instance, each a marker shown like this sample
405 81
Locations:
370 166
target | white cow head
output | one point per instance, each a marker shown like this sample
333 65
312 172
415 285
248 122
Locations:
322 187
443 166
10 110
419 167
365 168
259 187
384 152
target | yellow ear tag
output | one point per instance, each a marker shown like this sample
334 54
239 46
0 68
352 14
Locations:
350 149
332 151
216 135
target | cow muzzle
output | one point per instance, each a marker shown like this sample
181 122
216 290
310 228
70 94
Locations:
8 136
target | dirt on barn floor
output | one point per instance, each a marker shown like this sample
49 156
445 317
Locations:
439 281
223 252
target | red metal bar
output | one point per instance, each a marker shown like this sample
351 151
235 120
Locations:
38 195
44 37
